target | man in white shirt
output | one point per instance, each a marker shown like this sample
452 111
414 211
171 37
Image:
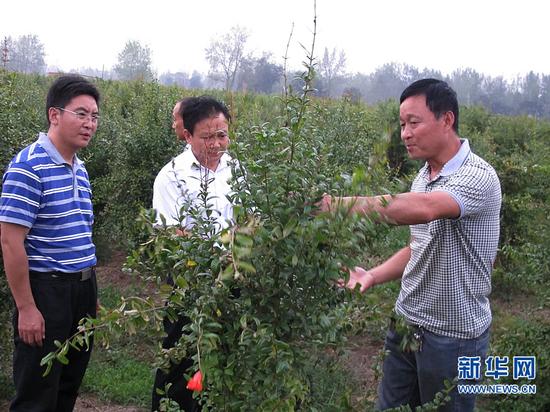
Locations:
204 160
203 122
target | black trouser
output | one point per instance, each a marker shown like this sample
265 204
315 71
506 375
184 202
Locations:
175 375
63 299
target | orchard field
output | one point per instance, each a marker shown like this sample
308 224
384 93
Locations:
288 340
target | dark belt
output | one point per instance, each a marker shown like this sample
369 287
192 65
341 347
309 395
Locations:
81 276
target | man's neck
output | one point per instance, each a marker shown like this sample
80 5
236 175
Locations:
449 151
213 166
66 153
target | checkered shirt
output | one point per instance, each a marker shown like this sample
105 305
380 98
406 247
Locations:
446 284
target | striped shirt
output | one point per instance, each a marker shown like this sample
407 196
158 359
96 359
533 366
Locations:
446 284
54 200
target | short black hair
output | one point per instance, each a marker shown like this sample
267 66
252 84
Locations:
67 87
440 97
183 103
200 108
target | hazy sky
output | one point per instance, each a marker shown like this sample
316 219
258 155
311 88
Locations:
493 37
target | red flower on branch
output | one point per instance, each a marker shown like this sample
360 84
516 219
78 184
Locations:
195 383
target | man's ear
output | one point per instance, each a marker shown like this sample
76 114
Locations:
53 115
449 119
187 136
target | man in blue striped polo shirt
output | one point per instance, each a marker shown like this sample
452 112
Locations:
46 222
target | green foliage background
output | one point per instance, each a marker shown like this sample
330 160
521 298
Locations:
135 140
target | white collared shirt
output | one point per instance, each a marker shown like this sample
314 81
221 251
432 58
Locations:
179 182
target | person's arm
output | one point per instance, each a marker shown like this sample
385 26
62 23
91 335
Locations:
391 269
169 189
31 323
167 192
402 209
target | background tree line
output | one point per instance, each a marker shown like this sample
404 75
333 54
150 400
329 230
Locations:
352 137
233 67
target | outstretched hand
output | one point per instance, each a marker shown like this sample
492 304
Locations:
358 276
324 205
182 232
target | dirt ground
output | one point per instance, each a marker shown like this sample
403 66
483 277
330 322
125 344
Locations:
111 273
88 403
364 354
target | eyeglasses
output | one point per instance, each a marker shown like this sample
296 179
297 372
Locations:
83 116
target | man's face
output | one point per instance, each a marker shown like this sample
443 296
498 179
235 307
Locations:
76 123
421 132
177 122
209 140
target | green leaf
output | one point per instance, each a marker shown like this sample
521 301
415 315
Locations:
243 240
48 358
61 357
225 237
289 227
181 282
241 252
48 368
247 267
227 273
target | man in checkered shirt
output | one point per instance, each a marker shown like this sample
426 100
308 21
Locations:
453 211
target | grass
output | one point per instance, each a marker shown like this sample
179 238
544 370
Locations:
122 373
114 375
515 336
6 387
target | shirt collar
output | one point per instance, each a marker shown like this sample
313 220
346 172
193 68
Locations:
195 164
457 160
46 143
